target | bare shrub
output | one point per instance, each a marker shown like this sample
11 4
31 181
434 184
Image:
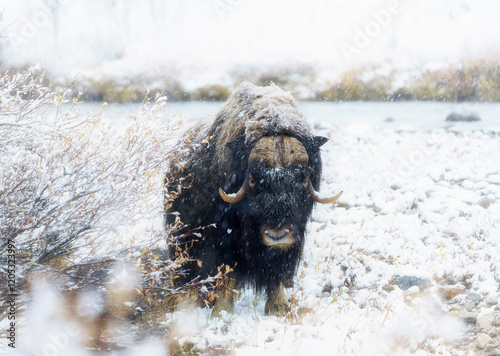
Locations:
76 196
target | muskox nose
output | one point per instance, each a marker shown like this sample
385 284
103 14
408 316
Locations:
280 239
276 235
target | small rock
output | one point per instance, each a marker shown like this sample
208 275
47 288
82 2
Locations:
497 323
492 333
485 202
406 282
482 340
469 317
491 301
484 321
465 116
388 287
495 352
474 297
450 292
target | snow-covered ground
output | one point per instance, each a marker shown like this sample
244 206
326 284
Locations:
406 262
418 223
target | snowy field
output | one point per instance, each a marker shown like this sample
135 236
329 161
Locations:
406 259
406 262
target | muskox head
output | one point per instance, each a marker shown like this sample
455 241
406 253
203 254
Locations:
277 194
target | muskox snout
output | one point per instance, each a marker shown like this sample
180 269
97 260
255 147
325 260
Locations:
281 238
277 235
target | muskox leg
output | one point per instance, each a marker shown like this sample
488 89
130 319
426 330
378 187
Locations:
227 295
277 302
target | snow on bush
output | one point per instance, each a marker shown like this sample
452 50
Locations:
66 178
81 205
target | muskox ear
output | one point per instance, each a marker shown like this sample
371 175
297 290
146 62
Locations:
320 140
315 143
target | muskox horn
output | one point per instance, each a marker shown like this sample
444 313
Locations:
234 198
322 200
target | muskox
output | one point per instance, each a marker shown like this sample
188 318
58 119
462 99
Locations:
253 174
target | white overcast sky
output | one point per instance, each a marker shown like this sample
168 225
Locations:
71 36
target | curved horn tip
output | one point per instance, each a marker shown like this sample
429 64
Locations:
334 198
232 198
236 197
324 200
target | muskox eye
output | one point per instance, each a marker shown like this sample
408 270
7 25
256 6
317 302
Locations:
305 182
251 181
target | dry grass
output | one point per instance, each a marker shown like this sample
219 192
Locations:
472 80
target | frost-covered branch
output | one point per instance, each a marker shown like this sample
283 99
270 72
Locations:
67 180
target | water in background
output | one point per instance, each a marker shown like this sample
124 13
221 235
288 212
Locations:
406 116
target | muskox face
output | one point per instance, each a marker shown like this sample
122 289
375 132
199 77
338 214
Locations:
277 196
278 203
